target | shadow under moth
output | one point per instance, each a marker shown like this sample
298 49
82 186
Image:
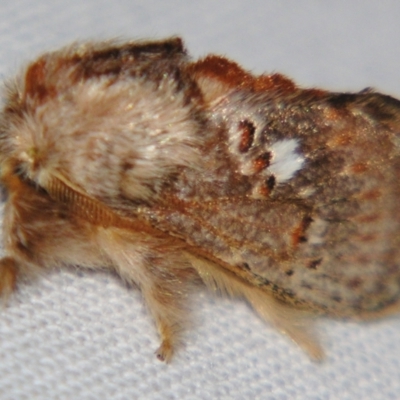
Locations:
132 157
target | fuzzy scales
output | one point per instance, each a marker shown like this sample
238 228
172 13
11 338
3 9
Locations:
132 157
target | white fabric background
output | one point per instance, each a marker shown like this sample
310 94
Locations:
81 335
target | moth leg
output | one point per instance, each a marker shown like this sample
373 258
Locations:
168 315
163 294
164 278
8 277
165 351
295 323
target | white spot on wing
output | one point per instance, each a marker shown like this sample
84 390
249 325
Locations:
286 161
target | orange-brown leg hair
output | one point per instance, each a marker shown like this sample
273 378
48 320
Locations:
169 315
163 276
8 277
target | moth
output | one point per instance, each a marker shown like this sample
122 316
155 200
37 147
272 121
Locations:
171 172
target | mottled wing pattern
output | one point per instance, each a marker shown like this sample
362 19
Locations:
299 192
